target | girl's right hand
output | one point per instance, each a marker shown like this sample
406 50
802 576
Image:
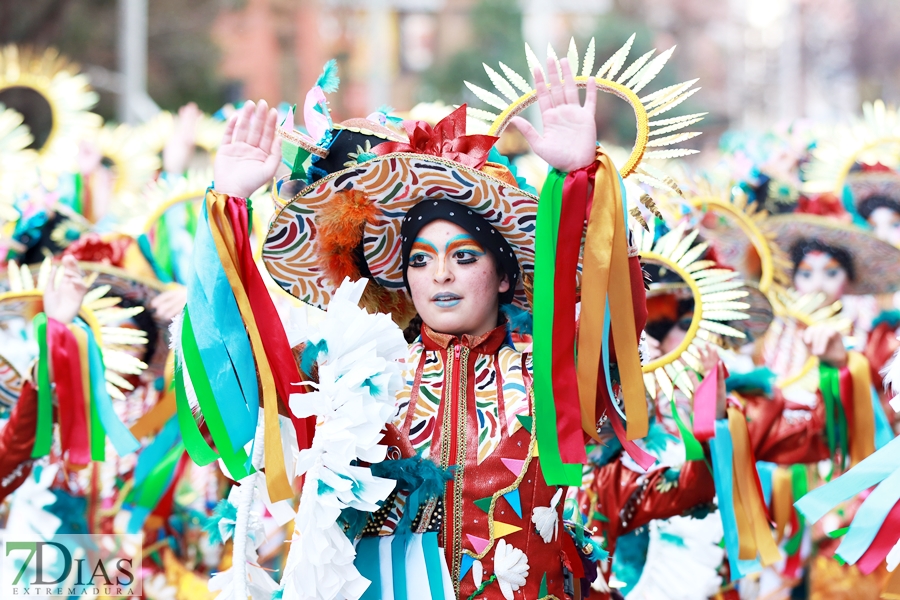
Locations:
250 151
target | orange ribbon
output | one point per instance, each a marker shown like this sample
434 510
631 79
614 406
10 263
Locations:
606 259
151 422
862 444
749 506
782 500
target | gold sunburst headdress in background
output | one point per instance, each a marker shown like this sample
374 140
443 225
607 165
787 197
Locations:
741 220
871 138
17 162
55 100
717 296
125 150
654 135
98 310
157 131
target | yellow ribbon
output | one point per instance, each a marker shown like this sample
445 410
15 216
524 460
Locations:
277 482
862 444
782 500
606 259
891 589
748 500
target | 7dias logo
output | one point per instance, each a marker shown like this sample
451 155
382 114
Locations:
81 566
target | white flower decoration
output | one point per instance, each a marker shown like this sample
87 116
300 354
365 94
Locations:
477 573
546 519
510 567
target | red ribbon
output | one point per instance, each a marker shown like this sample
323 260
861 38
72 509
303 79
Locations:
447 139
565 377
882 544
66 360
275 342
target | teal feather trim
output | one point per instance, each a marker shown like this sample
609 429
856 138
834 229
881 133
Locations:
494 156
278 594
329 80
520 320
657 438
415 473
224 510
311 354
757 380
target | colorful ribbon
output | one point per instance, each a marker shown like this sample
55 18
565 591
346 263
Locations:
86 413
747 535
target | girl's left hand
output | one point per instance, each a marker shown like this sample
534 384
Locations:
569 141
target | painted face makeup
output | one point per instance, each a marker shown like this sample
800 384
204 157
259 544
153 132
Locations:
885 225
454 282
819 272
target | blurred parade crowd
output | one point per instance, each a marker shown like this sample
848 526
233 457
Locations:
771 290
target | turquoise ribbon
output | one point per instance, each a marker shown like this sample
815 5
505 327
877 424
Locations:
869 519
398 565
222 340
433 564
122 439
368 563
766 472
870 471
883 432
722 451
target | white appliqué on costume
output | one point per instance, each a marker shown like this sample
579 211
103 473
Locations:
510 567
359 377
546 519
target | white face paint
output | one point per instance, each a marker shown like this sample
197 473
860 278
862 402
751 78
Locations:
885 225
819 272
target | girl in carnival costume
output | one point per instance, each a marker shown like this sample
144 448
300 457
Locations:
442 231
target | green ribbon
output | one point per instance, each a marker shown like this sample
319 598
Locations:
693 449
43 439
799 487
234 458
194 443
157 481
549 209
835 418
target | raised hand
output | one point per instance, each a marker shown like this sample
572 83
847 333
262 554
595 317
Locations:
250 151
65 291
569 141
826 344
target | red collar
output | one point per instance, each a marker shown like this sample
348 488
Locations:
487 343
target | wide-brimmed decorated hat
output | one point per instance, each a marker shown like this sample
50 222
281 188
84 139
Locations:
869 183
347 224
11 382
874 261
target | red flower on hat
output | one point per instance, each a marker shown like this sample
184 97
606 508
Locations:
92 248
825 205
446 139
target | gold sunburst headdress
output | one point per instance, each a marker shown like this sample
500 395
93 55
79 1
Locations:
654 135
17 162
124 149
98 310
783 347
871 138
735 230
55 100
717 296
157 131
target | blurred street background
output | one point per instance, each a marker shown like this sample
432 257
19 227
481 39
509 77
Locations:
759 61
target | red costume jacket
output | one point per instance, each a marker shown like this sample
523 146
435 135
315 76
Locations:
17 441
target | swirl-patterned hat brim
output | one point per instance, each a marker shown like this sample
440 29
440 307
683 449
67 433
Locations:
11 382
875 262
392 185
